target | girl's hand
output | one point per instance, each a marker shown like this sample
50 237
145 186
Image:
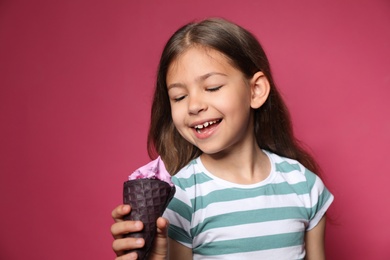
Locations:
121 244
120 228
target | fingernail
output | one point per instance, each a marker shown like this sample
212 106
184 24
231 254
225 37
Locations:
132 256
139 241
138 224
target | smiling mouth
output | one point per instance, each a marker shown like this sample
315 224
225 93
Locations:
200 128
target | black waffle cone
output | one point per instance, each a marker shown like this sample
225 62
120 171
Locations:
148 199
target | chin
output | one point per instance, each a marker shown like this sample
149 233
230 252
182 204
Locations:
211 152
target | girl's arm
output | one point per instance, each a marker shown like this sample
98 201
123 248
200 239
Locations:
179 252
315 240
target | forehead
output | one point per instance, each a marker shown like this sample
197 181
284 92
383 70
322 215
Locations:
197 61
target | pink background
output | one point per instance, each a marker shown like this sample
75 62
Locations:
76 82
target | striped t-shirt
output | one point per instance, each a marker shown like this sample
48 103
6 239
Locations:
267 220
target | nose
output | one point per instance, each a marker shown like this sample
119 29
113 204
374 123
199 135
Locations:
196 104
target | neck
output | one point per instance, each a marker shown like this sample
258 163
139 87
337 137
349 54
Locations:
247 165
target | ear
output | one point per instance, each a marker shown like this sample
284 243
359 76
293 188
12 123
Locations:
259 89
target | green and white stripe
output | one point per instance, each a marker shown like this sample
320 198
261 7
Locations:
224 220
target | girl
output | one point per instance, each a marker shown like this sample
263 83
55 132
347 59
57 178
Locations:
245 188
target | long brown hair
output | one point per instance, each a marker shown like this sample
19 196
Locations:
273 127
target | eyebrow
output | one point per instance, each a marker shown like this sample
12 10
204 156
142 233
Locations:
198 79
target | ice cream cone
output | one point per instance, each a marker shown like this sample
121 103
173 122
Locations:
148 199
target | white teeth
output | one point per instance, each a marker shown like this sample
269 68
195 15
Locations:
197 127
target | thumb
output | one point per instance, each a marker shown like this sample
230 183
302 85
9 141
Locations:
160 247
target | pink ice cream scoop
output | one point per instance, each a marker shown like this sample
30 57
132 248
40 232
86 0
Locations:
148 191
153 170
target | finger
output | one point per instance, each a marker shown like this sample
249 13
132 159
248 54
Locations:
121 228
122 245
118 213
161 241
162 226
129 256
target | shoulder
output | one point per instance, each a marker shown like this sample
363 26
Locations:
187 171
292 172
308 187
190 175
289 169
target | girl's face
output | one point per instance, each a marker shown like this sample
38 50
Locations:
211 101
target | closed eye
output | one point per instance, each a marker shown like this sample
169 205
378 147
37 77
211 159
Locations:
178 98
214 89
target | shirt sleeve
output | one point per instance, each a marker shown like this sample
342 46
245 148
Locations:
320 199
179 214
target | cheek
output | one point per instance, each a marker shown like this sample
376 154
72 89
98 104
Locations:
178 119
177 116
237 109
233 104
